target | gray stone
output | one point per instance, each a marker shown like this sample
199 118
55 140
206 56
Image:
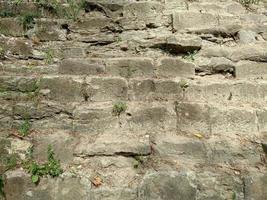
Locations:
255 185
104 89
167 186
249 69
82 67
172 67
178 44
130 67
62 88
115 143
246 37
113 194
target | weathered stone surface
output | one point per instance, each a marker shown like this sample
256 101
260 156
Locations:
94 118
255 185
82 67
178 44
139 15
155 117
95 24
150 89
62 88
130 67
180 147
255 52
18 186
216 184
116 143
167 186
205 23
204 118
104 89
62 143
17 47
214 65
49 30
249 69
172 67
19 83
35 111
246 37
11 27
113 194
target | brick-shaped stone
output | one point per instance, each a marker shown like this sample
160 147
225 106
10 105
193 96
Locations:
82 67
62 88
105 89
173 67
249 69
130 67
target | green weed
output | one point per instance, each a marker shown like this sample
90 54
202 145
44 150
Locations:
119 108
49 56
27 20
190 55
2 194
52 167
24 128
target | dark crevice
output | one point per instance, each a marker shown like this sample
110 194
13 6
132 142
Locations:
93 6
66 27
175 49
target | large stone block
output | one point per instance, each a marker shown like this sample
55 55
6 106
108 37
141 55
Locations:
62 88
130 67
215 119
201 22
94 118
11 27
167 186
172 67
104 89
149 89
115 143
255 185
177 44
18 83
49 30
82 67
248 69
193 118
180 147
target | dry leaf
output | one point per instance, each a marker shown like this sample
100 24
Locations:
97 181
198 135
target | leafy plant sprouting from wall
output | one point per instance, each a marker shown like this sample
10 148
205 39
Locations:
52 167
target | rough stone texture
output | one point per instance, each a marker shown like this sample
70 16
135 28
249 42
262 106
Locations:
166 185
158 99
171 67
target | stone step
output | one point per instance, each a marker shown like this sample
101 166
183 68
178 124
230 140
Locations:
66 89
211 118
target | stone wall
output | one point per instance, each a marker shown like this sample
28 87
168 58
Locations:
139 100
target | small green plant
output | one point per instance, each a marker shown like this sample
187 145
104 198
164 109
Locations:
74 8
190 55
119 108
24 128
52 167
183 84
234 196
247 3
11 161
2 53
49 56
139 160
2 194
27 20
